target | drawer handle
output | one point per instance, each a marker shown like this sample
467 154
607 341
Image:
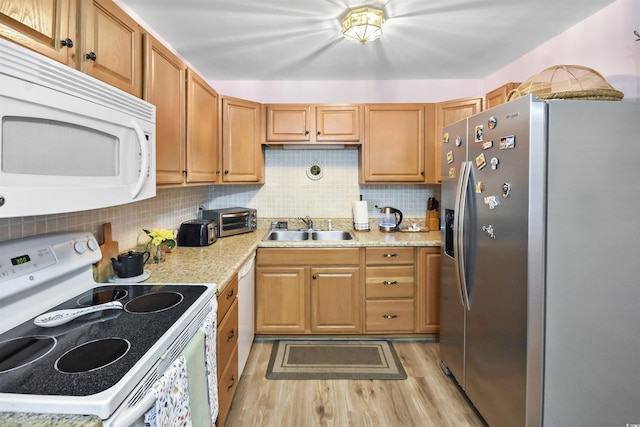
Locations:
233 381
231 335
393 282
390 316
390 255
230 294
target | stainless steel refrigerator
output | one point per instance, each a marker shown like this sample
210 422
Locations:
540 289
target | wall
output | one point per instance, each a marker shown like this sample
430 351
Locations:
604 42
288 192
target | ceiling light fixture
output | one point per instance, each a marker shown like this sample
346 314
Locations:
363 24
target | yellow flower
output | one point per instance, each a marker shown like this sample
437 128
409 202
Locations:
161 236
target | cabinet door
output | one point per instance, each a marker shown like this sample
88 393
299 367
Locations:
41 26
447 113
288 123
499 95
338 123
336 300
202 131
164 87
393 149
280 300
112 46
429 290
242 159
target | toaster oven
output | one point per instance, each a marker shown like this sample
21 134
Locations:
230 221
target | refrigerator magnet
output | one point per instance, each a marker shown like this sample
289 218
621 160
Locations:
507 142
450 157
479 187
493 122
481 161
458 141
452 173
479 133
487 144
445 137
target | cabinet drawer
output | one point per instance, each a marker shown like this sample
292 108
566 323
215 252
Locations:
390 255
227 385
305 257
227 297
227 334
390 316
390 282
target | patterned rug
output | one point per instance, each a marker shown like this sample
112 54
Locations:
334 359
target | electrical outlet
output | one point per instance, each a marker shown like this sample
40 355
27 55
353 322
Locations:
371 204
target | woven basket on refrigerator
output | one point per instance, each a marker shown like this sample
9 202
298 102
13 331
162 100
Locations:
568 82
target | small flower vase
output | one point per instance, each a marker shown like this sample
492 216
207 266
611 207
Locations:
158 254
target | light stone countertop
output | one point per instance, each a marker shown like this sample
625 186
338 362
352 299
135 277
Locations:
217 263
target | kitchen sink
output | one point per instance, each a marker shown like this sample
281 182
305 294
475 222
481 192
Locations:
293 236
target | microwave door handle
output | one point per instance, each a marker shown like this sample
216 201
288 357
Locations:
144 150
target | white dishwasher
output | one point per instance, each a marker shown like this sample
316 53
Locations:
246 310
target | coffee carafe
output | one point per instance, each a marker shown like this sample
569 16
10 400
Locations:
390 219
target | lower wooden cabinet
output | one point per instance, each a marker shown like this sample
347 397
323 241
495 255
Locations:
429 290
227 348
305 291
333 291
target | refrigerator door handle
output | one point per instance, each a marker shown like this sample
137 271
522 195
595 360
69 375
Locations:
457 242
460 237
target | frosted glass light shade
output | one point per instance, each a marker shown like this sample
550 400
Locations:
363 24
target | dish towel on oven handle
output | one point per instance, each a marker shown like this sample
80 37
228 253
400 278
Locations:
171 408
209 327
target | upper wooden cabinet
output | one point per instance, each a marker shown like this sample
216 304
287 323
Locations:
202 131
106 42
300 124
499 95
165 87
47 27
241 150
447 113
394 143
111 45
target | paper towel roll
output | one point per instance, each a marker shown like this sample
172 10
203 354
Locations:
360 215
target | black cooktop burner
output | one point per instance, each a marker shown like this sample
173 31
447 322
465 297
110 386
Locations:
86 346
93 355
101 296
153 303
21 351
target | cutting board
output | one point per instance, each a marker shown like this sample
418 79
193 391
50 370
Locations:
109 249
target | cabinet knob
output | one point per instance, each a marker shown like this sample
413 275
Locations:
67 42
91 56
387 282
319 133
306 132
226 172
422 173
390 316
314 277
390 255
233 381
231 335
230 294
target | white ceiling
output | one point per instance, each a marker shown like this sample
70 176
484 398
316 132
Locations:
301 39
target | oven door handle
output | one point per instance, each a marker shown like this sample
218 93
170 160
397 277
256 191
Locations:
131 415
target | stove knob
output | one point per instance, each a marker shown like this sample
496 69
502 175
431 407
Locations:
79 247
92 244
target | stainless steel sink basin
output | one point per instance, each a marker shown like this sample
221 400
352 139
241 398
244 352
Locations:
331 235
287 235
294 236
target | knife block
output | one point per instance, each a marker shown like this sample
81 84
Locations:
433 222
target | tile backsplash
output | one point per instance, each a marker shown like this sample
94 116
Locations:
287 193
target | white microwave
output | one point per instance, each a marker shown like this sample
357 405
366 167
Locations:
69 142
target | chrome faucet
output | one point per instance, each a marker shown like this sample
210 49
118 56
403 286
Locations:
308 222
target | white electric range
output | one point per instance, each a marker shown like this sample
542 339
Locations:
100 363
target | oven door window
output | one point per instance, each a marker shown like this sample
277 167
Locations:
32 146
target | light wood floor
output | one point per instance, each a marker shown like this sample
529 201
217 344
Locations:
426 398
